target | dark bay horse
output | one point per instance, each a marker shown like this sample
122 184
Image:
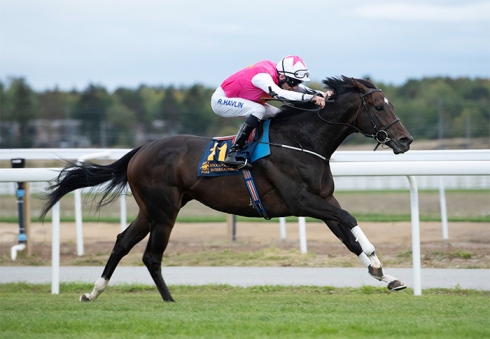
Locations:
162 176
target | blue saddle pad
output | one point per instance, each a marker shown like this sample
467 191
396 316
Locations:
211 162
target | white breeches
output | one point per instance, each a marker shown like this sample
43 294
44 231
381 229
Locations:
239 107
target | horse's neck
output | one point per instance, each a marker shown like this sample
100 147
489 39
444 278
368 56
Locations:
306 130
335 122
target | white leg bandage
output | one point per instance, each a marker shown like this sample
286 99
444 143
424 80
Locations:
364 258
388 278
366 245
99 287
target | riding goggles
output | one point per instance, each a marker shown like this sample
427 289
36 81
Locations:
299 74
293 82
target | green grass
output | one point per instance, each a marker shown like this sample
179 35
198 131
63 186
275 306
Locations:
136 311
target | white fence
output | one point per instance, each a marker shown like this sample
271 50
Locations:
373 182
352 164
350 183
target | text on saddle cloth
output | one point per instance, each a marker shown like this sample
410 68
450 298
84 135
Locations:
211 162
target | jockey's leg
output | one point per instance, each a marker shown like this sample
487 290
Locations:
251 111
243 133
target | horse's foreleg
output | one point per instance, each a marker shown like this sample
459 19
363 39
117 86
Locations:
357 242
124 243
370 259
368 256
152 257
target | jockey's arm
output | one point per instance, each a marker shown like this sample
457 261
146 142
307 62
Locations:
304 89
264 82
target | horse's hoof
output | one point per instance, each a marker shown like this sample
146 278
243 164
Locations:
84 297
396 285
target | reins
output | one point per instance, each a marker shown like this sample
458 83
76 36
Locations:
292 103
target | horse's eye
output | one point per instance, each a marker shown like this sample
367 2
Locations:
378 108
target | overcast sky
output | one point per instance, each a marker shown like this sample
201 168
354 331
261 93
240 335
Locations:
125 43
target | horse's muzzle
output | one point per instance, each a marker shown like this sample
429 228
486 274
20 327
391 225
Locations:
401 145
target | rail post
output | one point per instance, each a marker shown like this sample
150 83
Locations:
414 206
21 197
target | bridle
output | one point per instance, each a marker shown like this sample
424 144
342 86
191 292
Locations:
381 136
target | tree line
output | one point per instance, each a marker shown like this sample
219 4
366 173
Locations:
430 108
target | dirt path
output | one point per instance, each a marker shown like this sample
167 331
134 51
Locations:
260 232
469 243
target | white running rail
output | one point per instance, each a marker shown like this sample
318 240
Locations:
415 163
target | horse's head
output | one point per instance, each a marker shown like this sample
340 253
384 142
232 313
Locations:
376 118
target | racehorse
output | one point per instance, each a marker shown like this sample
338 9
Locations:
295 179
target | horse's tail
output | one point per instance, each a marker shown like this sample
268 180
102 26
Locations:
88 174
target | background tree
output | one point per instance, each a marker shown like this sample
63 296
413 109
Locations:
51 105
132 100
151 97
2 100
169 111
430 108
197 116
3 109
91 109
121 124
21 108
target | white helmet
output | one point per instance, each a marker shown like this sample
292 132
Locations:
293 67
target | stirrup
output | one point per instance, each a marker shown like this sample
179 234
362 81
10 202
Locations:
245 164
239 164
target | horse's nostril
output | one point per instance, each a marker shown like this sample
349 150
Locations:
406 140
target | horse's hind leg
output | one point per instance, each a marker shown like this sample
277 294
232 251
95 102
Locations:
126 240
159 236
357 242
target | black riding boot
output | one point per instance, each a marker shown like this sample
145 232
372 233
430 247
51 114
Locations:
241 137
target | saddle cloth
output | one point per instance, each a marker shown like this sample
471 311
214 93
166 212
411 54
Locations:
211 161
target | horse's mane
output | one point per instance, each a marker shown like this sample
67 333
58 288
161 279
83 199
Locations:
343 84
339 85
296 108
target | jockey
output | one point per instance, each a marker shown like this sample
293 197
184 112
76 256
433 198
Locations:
243 93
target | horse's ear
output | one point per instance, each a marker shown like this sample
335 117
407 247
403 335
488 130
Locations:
370 81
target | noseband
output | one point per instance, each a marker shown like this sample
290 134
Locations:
381 136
